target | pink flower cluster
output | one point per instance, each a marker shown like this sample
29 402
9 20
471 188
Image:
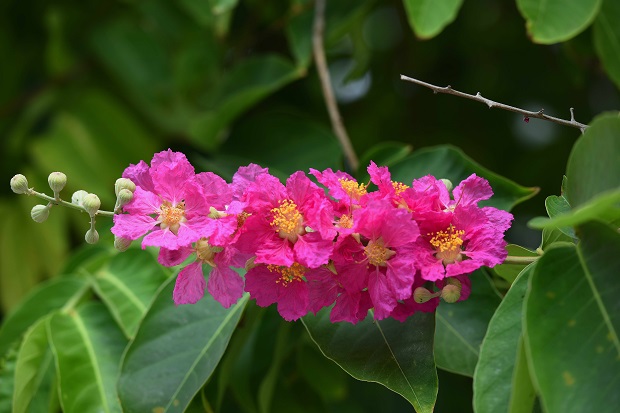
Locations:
305 247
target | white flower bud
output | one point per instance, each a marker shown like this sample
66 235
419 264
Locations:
124 197
78 196
19 184
92 236
57 181
91 204
123 183
40 213
121 244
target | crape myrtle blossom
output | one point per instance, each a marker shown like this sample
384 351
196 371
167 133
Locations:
395 250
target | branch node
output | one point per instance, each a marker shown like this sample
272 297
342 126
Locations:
540 112
572 114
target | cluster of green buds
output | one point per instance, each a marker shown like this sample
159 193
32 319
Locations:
450 293
80 200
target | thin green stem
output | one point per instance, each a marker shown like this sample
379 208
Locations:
67 204
511 259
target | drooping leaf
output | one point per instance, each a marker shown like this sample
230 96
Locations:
462 326
451 163
87 346
572 323
35 372
509 271
428 18
396 355
494 379
174 352
48 297
607 38
554 21
127 285
384 154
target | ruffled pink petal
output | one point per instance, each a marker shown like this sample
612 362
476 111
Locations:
132 226
170 258
216 191
222 229
399 228
190 285
161 238
312 251
143 203
323 289
331 180
140 175
293 300
275 251
264 193
380 176
401 273
261 284
225 285
346 308
171 175
244 176
472 190
381 294
498 219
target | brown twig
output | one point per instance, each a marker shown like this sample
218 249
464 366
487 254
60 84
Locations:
328 94
492 104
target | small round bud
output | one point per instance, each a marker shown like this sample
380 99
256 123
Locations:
92 236
448 184
124 197
57 181
40 213
451 293
121 244
91 204
123 183
422 295
454 281
19 184
78 196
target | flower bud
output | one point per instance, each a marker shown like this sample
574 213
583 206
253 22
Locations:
121 244
19 184
40 213
57 181
454 281
78 196
124 197
91 204
451 293
422 295
448 184
92 236
123 183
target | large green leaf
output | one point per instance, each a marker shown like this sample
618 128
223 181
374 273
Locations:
451 163
494 379
572 321
462 326
428 18
48 297
34 375
607 38
384 154
87 348
174 352
127 285
510 271
594 162
394 354
8 363
554 21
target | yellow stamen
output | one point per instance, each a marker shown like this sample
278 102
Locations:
171 216
352 188
377 253
345 221
448 244
206 252
287 220
288 274
399 187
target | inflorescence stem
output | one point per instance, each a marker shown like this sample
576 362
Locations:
492 104
67 204
519 260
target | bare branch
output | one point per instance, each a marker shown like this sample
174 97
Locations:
328 94
492 104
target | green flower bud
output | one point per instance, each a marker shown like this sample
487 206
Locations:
40 213
91 204
121 244
19 184
454 281
123 183
451 293
57 181
78 196
448 184
92 236
124 197
422 295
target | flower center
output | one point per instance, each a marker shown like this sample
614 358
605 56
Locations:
448 244
206 252
345 221
288 274
352 188
287 220
377 253
171 216
399 187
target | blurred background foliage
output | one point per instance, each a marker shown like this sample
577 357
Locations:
88 88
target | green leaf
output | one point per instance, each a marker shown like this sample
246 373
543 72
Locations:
428 18
394 354
174 352
554 21
553 235
523 398
299 36
383 154
34 376
607 38
280 352
451 163
572 321
494 376
87 348
7 373
558 205
510 271
127 285
462 326
48 297
594 162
